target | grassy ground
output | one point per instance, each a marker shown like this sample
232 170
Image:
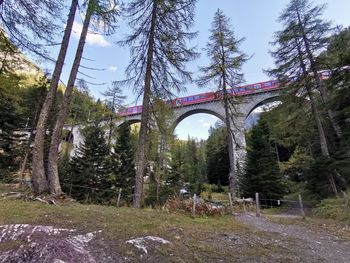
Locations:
121 224
199 239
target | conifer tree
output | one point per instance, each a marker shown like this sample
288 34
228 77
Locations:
8 122
114 100
28 28
262 173
217 156
123 165
90 168
303 36
224 70
159 52
312 34
104 14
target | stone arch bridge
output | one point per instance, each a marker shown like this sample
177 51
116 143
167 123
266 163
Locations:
247 103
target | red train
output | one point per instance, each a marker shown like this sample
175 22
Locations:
209 96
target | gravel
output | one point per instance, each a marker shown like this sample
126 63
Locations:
308 244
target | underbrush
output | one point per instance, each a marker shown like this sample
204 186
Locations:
176 204
333 208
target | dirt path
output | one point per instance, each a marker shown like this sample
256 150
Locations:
309 245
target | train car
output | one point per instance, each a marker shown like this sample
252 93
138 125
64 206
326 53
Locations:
129 111
194 99
208 96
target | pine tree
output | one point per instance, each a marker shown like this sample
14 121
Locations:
226 62
114 101
304 35
159 53
40 183
312 34
262 173
8 123
90 169
123 165
103 13
217 156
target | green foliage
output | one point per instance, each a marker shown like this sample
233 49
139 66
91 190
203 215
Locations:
21 98
217 156
8 123
226 60
171 20
262 174
187 166
333 208
122 160
90 169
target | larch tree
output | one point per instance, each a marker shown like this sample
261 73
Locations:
296 67
313 35
114 101
159 52
103 14
27 28
224 71
39 178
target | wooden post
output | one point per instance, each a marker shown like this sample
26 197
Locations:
347 208
194 205
231 203
301 207
119 194
257 204
244 209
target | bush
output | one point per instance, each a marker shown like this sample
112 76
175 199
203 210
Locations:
332 208
176 204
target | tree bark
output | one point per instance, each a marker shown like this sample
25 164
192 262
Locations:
141 156
316 115
319 85
111 124
54 184
40 183
230 136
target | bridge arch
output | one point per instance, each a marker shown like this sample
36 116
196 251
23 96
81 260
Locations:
261 100
183 115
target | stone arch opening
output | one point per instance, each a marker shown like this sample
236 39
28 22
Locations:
265 101
256 107
128 122
189 113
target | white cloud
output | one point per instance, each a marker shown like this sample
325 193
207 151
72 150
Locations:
91 38
206 124
112 68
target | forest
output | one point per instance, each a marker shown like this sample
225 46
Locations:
301 144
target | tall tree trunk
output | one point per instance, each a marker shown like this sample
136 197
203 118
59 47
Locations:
142 147
319 84
111 125
230 136
316 115
54 184
29 142
40 183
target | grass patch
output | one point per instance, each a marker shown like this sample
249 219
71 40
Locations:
333 208
121 224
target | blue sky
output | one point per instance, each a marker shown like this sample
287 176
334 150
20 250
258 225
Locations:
255 20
